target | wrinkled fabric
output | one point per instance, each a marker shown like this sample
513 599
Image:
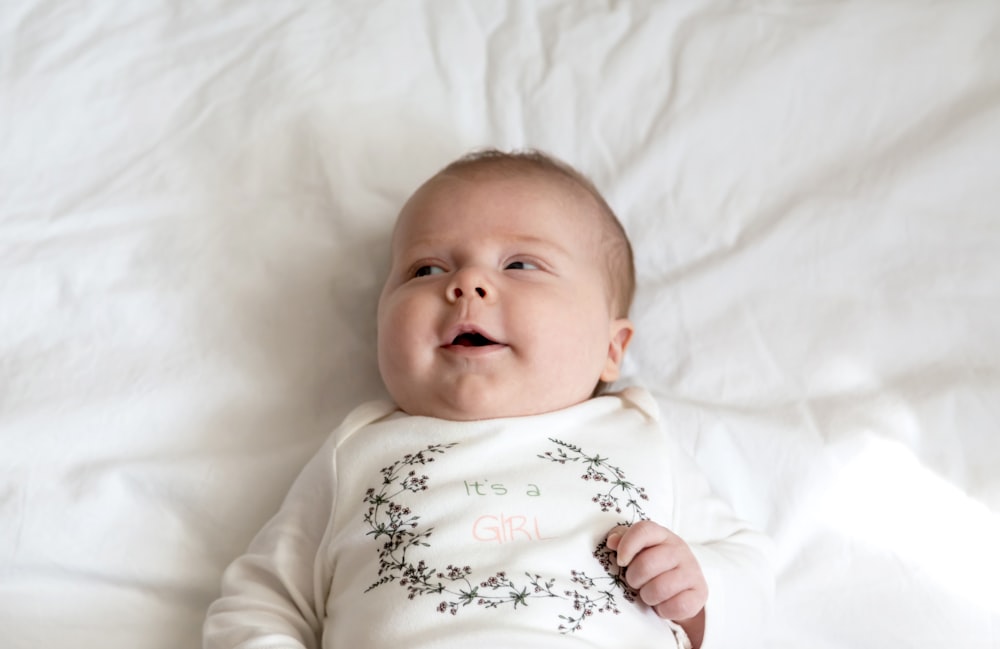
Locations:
195 204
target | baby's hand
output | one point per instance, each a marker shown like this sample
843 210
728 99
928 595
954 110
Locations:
662 568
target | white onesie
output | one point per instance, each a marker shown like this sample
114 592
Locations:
425 533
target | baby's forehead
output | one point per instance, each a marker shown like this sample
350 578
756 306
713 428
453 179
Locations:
482 179
512 170
494 181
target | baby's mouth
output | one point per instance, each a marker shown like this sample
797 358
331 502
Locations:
472 339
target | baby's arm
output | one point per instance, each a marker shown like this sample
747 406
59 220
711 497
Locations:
273 596
708 571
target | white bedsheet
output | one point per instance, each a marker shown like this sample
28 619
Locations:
195 201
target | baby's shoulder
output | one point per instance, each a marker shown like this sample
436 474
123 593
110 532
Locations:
640 399
363 415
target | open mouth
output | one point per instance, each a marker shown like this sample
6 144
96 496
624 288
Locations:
472 339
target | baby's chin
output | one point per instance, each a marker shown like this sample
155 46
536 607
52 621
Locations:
482 409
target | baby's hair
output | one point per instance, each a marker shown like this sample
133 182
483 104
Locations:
620 264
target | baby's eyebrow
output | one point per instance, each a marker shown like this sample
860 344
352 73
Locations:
540 241
512 239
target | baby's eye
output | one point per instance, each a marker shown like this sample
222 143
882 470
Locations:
424 271
521 265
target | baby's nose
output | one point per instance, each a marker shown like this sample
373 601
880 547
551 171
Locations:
469 283
480 291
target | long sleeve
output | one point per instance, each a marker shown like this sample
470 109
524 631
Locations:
736 560
274 595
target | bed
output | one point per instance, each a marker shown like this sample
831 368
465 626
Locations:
195 202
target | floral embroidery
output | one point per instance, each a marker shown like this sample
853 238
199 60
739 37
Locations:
619 488
399 531
387 518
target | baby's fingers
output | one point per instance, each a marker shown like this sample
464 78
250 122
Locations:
615 536
630 541
659 560
682 606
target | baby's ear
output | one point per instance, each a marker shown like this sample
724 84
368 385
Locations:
621 335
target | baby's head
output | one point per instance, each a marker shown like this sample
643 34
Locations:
509 291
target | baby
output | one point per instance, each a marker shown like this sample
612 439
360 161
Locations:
502 499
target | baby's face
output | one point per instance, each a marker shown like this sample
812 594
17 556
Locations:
496 303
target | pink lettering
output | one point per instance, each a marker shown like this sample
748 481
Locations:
505 529
487 528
